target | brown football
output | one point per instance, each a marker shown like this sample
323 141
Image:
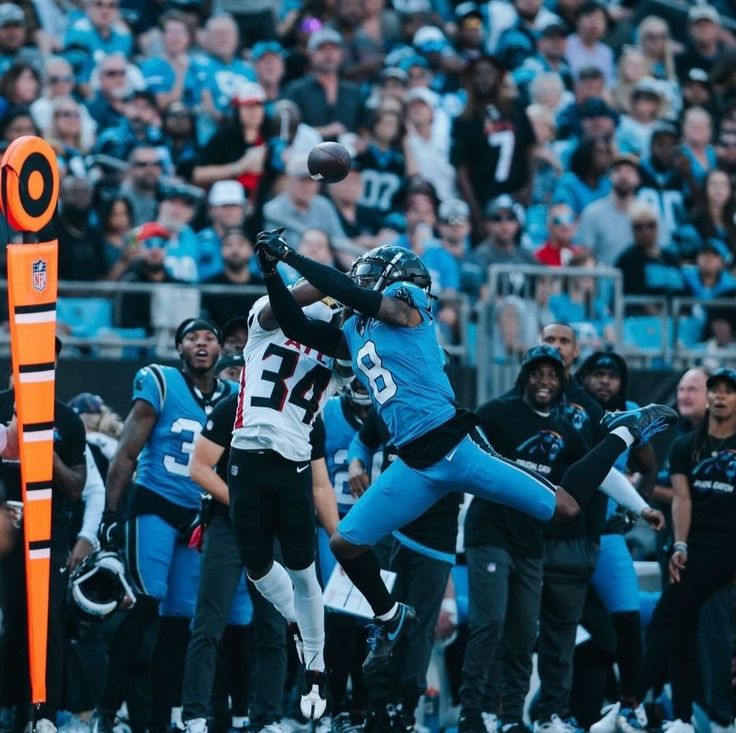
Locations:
329 162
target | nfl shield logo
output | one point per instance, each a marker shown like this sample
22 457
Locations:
39 275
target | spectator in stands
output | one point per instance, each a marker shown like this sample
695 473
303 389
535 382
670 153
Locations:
713 217
180 137
115 215
709 278
654 41
468 39
605 226
328 103
558 250
267 58
648 269
147 266
550 56
359 223
234 335
632 67
236 254
501 245
81 252
519 41
363 56
110 90
299 206
489 126
68 137
697 135
726 152
20 86
142 182
13 39
17 123
585 47
141 125
696 91
429 149
589 84
587 180
383 163
99 33
548 90
703 44
175 213
635 129
169 76
667 182
238 149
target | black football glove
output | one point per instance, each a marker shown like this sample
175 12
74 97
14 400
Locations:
266 262
272 243
620 522
111 531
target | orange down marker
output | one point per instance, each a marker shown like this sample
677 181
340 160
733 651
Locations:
29 190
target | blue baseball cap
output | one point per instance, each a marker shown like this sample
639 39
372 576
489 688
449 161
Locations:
719 247
261 48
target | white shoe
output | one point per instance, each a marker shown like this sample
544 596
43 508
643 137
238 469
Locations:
278 727
607 724
44 725
313 702
490 722
196 725
555 724
677 726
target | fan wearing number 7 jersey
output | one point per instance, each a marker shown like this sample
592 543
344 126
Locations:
391 338
283 388
170 408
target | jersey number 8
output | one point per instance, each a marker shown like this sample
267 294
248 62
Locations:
382 383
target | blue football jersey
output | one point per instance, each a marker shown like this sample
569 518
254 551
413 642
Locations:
340 427
163 465
402 368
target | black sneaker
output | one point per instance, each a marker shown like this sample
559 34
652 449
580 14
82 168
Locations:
385 635
377 720
470 722
102 723
403 721
643 422
314 695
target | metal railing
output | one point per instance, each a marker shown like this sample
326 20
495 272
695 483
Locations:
526 292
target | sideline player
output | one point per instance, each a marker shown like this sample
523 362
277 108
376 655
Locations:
170 408
283 388
393 344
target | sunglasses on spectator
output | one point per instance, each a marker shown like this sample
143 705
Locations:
66 79
67 113
656 36
560 220
727 143
113 72
503 217
645 225
146 163
106 5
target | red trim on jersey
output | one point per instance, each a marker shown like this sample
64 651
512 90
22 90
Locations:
241 400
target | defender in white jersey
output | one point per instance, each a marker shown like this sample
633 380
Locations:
283 388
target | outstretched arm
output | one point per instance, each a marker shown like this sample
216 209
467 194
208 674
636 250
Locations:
339 286
319 335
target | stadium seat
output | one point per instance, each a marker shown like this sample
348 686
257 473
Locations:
84 316
643 332
120 351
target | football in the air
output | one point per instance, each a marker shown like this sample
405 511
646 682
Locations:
329 162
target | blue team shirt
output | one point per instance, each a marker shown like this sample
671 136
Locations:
220 79
159 76
83 34
402 368
163 465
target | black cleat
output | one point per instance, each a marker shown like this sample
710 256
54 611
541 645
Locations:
102 723
377 720
471 722
643 422
385 635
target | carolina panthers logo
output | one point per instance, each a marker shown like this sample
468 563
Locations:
543 447
575 414
721 466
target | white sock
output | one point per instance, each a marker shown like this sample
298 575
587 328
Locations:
389 614
276 587
625 434
310 612
240 721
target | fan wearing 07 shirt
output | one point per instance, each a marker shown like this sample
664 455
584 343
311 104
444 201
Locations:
283 388
170 408
391 337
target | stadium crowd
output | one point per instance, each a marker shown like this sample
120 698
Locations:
569 133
